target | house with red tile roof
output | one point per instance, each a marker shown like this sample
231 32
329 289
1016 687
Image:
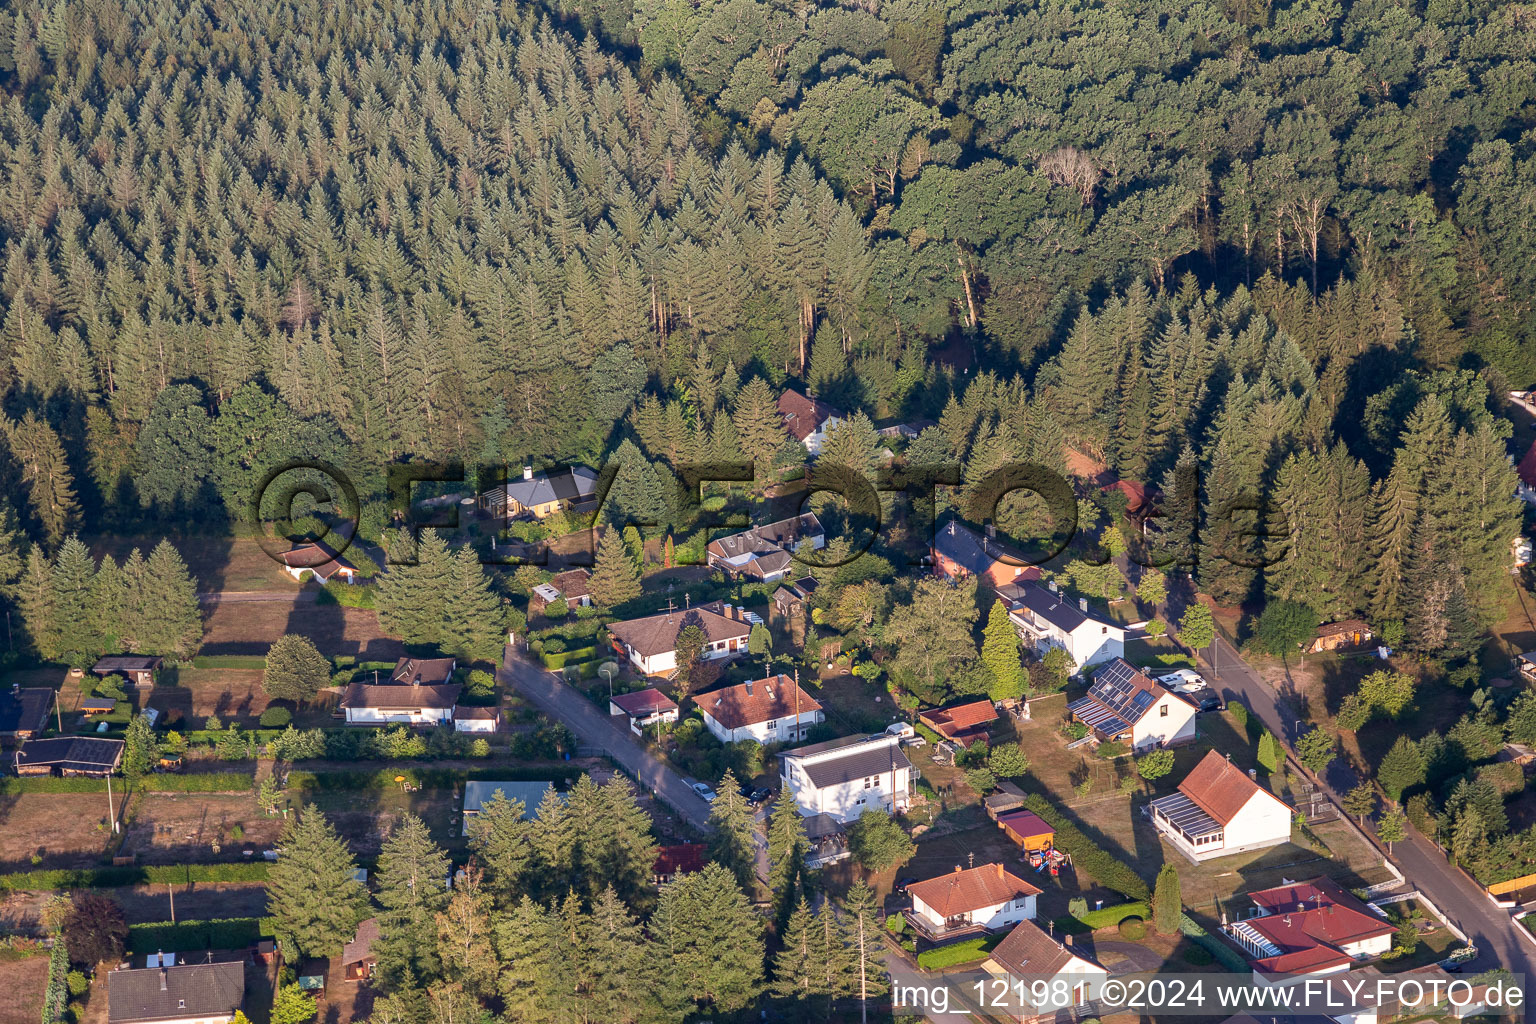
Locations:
970 901
962 723
1027 955
643 708
1220 810
1306 929
808 420
959 552
679 859
771 710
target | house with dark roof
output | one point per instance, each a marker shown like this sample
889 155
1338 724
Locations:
24 711
469 718
970 901
846 777
959 552
319 560
423 671
1306 929
1128 706
189 994
765 553
650 643
137 669
357 958
807 419
790 608
1348 634
1044 618
1027 956
542 494
963 723
644 708
678 859
1220 810
88 756
771 710
399 703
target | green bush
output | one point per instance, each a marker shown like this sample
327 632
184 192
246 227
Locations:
275 717
1109 917
927 733
1228 957
192 936
111 878
347 595
557 659
1087 855
1197 956
431 778
956 953
77 984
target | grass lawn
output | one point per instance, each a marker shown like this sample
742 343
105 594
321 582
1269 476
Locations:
855 704
1157 651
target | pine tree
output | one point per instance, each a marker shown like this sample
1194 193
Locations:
622 969
1167 900
731 843
73 573
620 853
708 943
1000 653
525 942
787 847
312 897
759 426
412 599
502 840
172 621
615 576
472 617
1269 753
868 975
45 471
795 974
296 670
34 598
412 886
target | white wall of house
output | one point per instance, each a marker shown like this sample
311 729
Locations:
666 661
889 791
818 437
219 1019
1168 722
413 716
1091 643
474 724
781 730
1084 977
1260 823
1001 915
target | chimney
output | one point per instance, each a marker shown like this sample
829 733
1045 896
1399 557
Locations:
957 869
1052 585
1253 773
162 979
1082 604
749 687
991 530
999 866
725 609
1066 940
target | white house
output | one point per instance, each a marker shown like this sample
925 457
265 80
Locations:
475 719
407 704
644 708
1219 810
189 994
848 776
808 420
970 901
766 553
650 643
317 560
771 710
1028 954
1044 619
1306 929
1127 705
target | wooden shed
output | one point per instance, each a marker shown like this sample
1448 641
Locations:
1028 830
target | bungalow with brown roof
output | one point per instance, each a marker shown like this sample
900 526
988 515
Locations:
318 560
643 708
137 669
24 711
423 671
679 859
766 553
1220 810
771 710
961 723
650 643
970 901
1028 955
386 704
357 958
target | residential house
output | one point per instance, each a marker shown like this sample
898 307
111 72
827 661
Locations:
357 959
771 710
1307 929
961 723
678 859
1349 634
570 586
478 793
476 719
24 711
959 553
423 671
1126 705
846 777
1027 956
318 560
541 495
808 421
765 553
644 708
650 643
1028 830
1045 619
188 994
790 608
403 704
1140 509
89 756
137 669
970 901
1220 810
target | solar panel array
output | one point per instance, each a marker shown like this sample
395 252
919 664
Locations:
1116 699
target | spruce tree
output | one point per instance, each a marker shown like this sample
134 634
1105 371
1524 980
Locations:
622 966
472 618
731 841
709 943
73 573
35 600
1402 768
45 471
759 427
502 841
620 853
412 885
172 623
296 670
312 897
412 599
795 974
140 751
464 936
867 976
1269 752
615 576
1000 653
787 847
526 943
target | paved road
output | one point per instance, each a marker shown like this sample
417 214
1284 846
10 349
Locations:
1489 927
595 729
216 597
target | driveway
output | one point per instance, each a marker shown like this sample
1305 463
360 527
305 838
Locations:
592 728
1464 903
1129 957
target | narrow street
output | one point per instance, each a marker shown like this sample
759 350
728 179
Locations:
592 728
1487 926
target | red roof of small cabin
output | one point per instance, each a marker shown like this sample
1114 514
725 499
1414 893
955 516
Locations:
682 859
1025 824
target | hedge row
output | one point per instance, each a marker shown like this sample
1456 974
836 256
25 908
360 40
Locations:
1108 917
205 782
957 953
556 659
1225 955
111 878
245 661
193 936
1106 869
431 778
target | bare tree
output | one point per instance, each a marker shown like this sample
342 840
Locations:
1071 166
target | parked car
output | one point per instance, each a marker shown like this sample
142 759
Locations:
704 791
902 729
902 883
